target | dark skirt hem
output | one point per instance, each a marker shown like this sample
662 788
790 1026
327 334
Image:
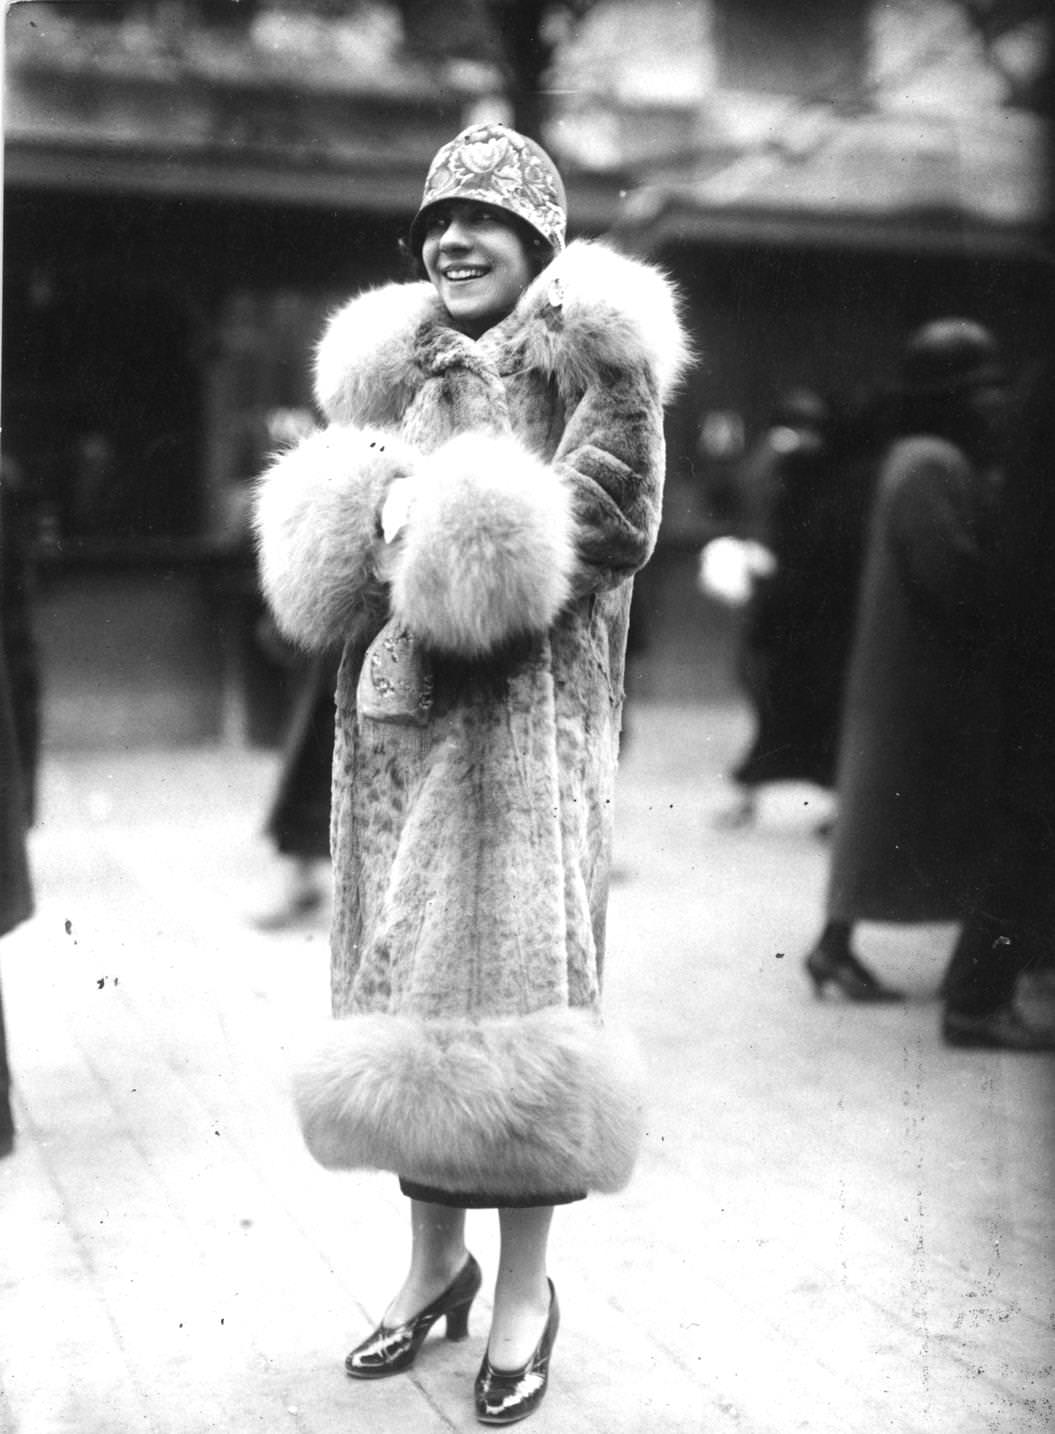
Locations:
478 1200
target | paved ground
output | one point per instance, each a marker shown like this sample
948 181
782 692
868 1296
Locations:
838 1226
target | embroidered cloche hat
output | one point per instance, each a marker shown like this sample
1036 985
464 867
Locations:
493 164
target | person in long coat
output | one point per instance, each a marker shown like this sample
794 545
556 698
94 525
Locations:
918 749
16 890
468 524
16 804
1010 928
19 727
805 500
18 582
298 817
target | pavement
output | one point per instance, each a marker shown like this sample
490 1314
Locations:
838 1225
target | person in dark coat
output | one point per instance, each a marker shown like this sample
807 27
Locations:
298 820
917 765
18 562
16 892
467 526
1010 927
803 513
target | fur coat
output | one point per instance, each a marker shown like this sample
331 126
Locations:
478 714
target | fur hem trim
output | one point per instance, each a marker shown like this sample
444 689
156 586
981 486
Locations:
364 371
488 551
316 524
511 1106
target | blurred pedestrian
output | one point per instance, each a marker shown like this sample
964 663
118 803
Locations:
917 767
16 895
298 821
1010 927
801 526
19 535
468 526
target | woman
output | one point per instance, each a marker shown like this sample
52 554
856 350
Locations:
298 821
918 750
1009 929
16 804
467 525
803 501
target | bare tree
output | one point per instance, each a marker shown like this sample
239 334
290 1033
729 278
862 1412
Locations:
521 38
529 34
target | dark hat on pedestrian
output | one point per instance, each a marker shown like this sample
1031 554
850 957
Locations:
950 356
493 164
801 408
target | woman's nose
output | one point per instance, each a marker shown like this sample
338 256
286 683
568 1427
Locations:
455 235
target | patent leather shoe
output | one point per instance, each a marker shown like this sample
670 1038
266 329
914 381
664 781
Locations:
393 1348
295 910
848 974
1004 1029
503 1396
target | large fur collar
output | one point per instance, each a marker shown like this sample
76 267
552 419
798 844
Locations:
591 312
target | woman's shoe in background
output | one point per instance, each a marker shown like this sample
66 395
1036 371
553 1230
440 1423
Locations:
394 1348
503 1396
296 909
848 974
1004 1029
305 883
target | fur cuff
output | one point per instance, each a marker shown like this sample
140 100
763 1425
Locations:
488 553
315 520
513 1106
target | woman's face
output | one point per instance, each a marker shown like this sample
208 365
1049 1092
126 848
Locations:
477 262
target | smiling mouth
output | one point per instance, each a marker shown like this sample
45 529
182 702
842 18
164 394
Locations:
462 273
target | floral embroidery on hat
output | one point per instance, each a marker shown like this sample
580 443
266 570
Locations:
495 165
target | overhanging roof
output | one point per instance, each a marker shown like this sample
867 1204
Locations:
897 182
658 217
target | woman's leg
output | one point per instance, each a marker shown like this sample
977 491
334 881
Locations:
834 961
437 1253
835 938
522 1289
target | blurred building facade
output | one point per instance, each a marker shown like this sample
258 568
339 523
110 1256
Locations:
190 186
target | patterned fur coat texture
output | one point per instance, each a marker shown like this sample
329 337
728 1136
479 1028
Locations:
478 713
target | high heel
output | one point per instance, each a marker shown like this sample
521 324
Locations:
845 971
394 1348
505 1395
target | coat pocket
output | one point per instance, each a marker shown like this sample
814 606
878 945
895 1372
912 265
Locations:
395 682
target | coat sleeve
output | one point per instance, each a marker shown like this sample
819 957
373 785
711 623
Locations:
935 534
498 541
612 458
317 524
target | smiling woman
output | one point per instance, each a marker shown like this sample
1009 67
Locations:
467 527
477 260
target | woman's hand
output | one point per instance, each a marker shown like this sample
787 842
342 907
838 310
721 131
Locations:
395 511
396 508
730 567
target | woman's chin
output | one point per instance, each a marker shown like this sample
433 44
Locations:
473 314
469 317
